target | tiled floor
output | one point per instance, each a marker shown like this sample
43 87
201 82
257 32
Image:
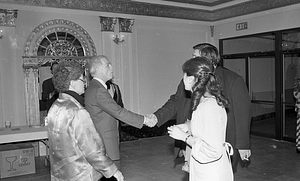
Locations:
151 159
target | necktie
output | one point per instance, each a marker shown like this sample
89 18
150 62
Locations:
110 89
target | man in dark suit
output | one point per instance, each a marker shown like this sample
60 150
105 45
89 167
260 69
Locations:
104 110
49 94
238 111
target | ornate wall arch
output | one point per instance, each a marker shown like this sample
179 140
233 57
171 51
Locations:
32 61
44 29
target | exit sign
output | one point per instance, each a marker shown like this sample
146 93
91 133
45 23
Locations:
241 26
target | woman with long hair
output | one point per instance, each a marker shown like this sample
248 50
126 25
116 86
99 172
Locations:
205 133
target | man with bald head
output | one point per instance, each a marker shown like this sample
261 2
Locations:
104 110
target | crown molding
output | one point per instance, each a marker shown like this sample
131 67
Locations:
203 3
156 10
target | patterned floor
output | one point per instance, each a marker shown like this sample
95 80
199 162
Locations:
151 159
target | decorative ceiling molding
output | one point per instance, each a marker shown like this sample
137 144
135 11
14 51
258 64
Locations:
203 3
166 11
250 7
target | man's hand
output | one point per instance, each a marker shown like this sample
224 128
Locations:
119 176
150 120
245 154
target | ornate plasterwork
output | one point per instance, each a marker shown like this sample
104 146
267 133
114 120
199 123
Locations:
249 7
37 61
149 9
44 29
7 17
125 25
108 23
31 62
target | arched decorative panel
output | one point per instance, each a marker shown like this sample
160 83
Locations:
58 25
53 40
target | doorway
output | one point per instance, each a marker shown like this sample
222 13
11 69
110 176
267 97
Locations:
259 75
269 64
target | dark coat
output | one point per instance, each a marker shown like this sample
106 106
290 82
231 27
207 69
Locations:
49 94
238 111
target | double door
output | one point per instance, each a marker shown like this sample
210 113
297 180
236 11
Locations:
269 66
259 75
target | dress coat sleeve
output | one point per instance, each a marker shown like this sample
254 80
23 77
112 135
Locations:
106 103
92 145
242 113
170 108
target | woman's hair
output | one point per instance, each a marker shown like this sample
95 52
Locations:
203 71
65 72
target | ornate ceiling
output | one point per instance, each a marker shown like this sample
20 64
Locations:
201 10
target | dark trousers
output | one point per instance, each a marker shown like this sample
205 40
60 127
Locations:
235 158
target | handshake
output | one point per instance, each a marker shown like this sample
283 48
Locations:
150 120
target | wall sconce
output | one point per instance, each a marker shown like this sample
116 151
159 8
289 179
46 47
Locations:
118 39
1 34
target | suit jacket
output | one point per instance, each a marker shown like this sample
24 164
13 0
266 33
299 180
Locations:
47 89
77 151
105 112
49 94
116 93
238 111
178 105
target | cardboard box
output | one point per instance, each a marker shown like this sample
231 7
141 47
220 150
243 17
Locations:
16 159
35 145
43 148
40 147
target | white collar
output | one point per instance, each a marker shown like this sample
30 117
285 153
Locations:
101 81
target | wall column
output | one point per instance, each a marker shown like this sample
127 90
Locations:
31 91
